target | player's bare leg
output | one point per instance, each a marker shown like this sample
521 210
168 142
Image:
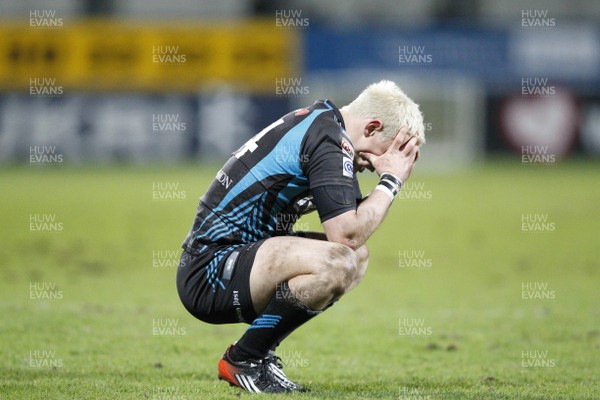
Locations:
362 258
318 272
292 280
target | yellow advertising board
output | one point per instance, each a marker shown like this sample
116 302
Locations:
109 55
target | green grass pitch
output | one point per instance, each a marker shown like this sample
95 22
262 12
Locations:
481 285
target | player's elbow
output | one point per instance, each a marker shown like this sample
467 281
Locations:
345 229
353 242
348 238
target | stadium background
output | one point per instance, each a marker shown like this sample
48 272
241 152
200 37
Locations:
115 115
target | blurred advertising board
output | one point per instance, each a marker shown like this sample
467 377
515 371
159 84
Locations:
543 129
143 128
118 56
497 57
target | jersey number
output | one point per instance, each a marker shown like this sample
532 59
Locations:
251 145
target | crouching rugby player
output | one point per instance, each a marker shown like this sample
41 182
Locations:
243 263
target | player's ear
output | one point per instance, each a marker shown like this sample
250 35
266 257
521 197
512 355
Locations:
373 125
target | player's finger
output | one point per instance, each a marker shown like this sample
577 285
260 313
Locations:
399 140
414 155
409 146
414 150
369 157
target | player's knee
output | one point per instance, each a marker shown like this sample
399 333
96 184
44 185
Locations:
362 256
341 268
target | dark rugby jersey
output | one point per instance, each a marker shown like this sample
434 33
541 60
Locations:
266 185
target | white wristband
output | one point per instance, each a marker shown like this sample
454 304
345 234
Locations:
387 191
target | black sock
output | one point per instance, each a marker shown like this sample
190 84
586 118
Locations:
278 342
283 314
281 339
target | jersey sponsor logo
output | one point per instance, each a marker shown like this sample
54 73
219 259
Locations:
347 148
302 111
238 306
224 179
348 168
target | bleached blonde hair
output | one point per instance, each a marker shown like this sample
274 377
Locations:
384 100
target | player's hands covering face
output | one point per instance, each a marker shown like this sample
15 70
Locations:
399 158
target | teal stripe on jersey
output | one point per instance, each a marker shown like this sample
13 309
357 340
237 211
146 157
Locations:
236 215
269 165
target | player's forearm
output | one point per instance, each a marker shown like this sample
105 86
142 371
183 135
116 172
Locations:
369 216
355 231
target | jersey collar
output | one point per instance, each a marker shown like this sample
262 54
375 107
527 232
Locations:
336 112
